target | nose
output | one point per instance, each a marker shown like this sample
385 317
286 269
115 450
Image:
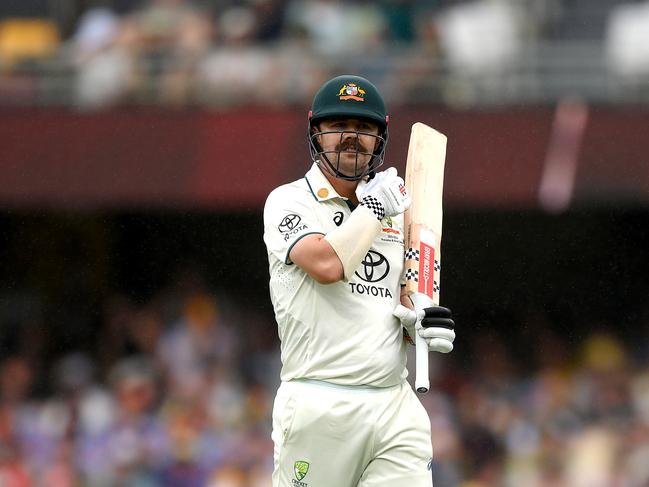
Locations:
353 127
350 140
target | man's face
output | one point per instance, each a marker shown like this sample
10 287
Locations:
348 143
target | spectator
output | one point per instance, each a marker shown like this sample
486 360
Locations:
483 458
627 42
239 70
480 41
15 387
198 341
105 56
133 445
337 28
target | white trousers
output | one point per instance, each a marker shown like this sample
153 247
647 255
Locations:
327 435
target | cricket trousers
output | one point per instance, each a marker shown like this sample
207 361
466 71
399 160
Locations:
327 435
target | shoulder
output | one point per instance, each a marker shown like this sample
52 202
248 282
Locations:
298 190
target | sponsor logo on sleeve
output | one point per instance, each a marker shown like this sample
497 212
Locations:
291 225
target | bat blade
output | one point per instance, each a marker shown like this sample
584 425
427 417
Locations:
423 226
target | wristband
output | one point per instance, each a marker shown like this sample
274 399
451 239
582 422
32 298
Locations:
374 205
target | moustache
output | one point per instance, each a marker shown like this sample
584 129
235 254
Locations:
354 144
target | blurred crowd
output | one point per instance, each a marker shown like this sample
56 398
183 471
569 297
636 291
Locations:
578 417
178 391
224 52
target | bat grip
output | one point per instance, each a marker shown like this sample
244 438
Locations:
422 381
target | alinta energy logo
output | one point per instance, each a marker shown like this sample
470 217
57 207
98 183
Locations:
291 225
374 268
389 227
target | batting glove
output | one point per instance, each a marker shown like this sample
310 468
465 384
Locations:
385 194
433 324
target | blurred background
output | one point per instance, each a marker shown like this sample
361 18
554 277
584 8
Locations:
138 142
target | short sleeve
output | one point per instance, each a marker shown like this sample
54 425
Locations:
289 215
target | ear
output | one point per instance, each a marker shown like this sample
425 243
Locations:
318 138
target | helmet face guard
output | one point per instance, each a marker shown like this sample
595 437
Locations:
348 97
366 160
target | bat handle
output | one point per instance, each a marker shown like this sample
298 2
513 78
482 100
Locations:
422 381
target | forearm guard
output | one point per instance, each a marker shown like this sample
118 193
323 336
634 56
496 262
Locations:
353 238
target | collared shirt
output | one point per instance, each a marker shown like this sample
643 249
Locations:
343 332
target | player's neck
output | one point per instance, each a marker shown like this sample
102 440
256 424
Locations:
346 189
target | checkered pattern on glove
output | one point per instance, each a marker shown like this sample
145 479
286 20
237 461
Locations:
388 190
374 205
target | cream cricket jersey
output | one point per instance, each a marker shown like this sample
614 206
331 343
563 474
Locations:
343 332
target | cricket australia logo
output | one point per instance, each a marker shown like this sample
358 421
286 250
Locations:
373 268
351 91
301 468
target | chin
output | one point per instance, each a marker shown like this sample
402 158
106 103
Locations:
352 173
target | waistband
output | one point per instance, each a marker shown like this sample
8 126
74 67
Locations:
345 387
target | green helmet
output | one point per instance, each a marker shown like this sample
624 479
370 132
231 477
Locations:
348 96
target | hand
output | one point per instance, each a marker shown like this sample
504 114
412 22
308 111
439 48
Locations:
385 194
433 324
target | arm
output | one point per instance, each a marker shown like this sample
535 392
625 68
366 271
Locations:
404 316
405 299
336 256
315 255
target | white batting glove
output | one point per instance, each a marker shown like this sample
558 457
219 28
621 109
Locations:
433 324
385 194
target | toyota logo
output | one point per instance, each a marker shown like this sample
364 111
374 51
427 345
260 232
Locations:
289 223
374 267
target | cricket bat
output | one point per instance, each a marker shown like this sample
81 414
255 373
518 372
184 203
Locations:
423 230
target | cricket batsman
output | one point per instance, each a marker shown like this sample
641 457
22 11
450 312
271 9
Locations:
344 414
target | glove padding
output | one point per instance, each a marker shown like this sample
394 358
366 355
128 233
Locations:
385 194
433 324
